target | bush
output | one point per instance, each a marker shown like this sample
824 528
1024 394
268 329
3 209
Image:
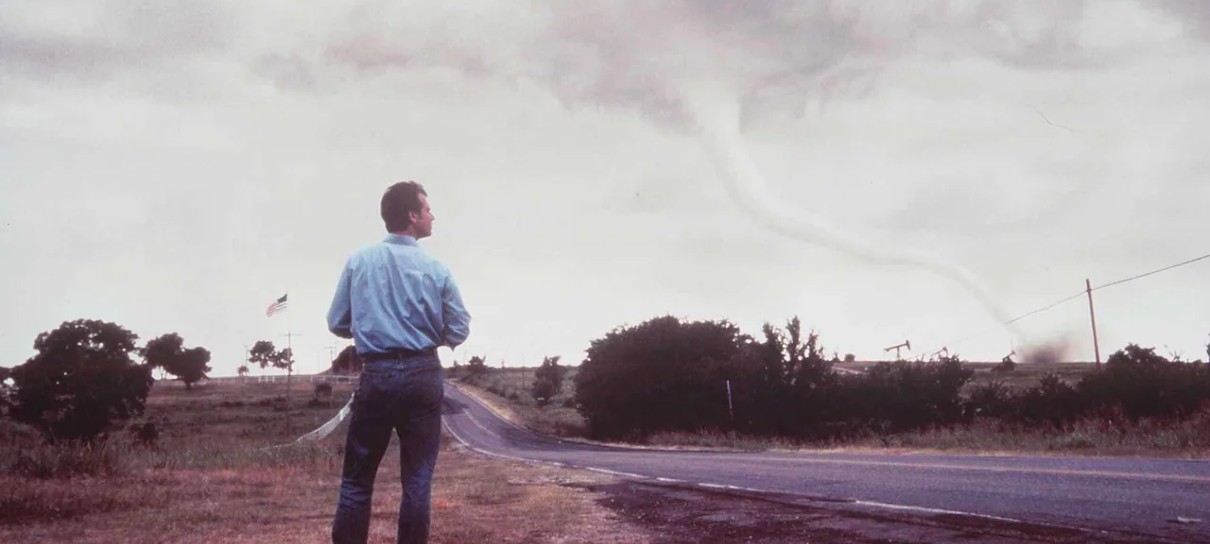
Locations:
548 380
900 396
66 460
5 391
661 375
1052 402
1135 383
668 376
146 434
992 399
81 381
1141 383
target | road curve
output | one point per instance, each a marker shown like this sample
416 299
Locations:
1165 500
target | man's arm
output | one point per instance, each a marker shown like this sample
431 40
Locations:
454 314
340 314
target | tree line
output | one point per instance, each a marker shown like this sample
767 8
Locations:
84 379
671 375
661 375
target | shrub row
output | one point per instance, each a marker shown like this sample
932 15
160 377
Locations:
665 375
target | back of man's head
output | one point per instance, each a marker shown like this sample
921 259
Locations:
397 201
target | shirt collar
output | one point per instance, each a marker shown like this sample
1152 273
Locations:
400 239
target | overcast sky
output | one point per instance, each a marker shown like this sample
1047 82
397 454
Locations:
177 167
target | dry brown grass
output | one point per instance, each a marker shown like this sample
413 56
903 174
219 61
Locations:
1184 439
211 479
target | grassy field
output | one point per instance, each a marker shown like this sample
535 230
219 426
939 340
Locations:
507 391
214 476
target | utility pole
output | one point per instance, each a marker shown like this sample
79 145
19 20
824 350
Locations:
1096 346
289 372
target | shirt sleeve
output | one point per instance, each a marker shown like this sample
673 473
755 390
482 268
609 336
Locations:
340 314
454 314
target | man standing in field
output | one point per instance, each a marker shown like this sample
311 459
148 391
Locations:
398 304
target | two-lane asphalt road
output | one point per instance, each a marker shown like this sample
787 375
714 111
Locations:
1126 496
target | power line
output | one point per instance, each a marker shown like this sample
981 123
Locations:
1018 318
1083 293
1043 309
1156 271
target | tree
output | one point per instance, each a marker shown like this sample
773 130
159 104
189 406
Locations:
662 375
81 381
347 362
4 390
548 380
477 365
168 353
1143 383
901 395
190 365
159 351
792 395
265 354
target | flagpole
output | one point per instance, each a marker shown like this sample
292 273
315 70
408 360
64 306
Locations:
281 305
289 369
289 364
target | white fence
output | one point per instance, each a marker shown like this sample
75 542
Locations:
298 378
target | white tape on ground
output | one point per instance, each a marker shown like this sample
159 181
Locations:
326 429
322 431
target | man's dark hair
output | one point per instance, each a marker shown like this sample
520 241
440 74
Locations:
397 201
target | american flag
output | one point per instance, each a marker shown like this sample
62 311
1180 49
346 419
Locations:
277 306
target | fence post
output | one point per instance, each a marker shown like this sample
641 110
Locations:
730 407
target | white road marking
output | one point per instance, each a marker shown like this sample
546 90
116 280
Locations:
617 473
1021 470
926 510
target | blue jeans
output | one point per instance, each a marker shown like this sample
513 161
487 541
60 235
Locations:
403 395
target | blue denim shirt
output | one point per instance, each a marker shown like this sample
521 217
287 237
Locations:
393 295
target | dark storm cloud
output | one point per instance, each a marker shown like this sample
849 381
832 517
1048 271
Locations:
64 44
777 55
1193 14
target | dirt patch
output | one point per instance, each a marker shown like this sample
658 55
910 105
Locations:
684 515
